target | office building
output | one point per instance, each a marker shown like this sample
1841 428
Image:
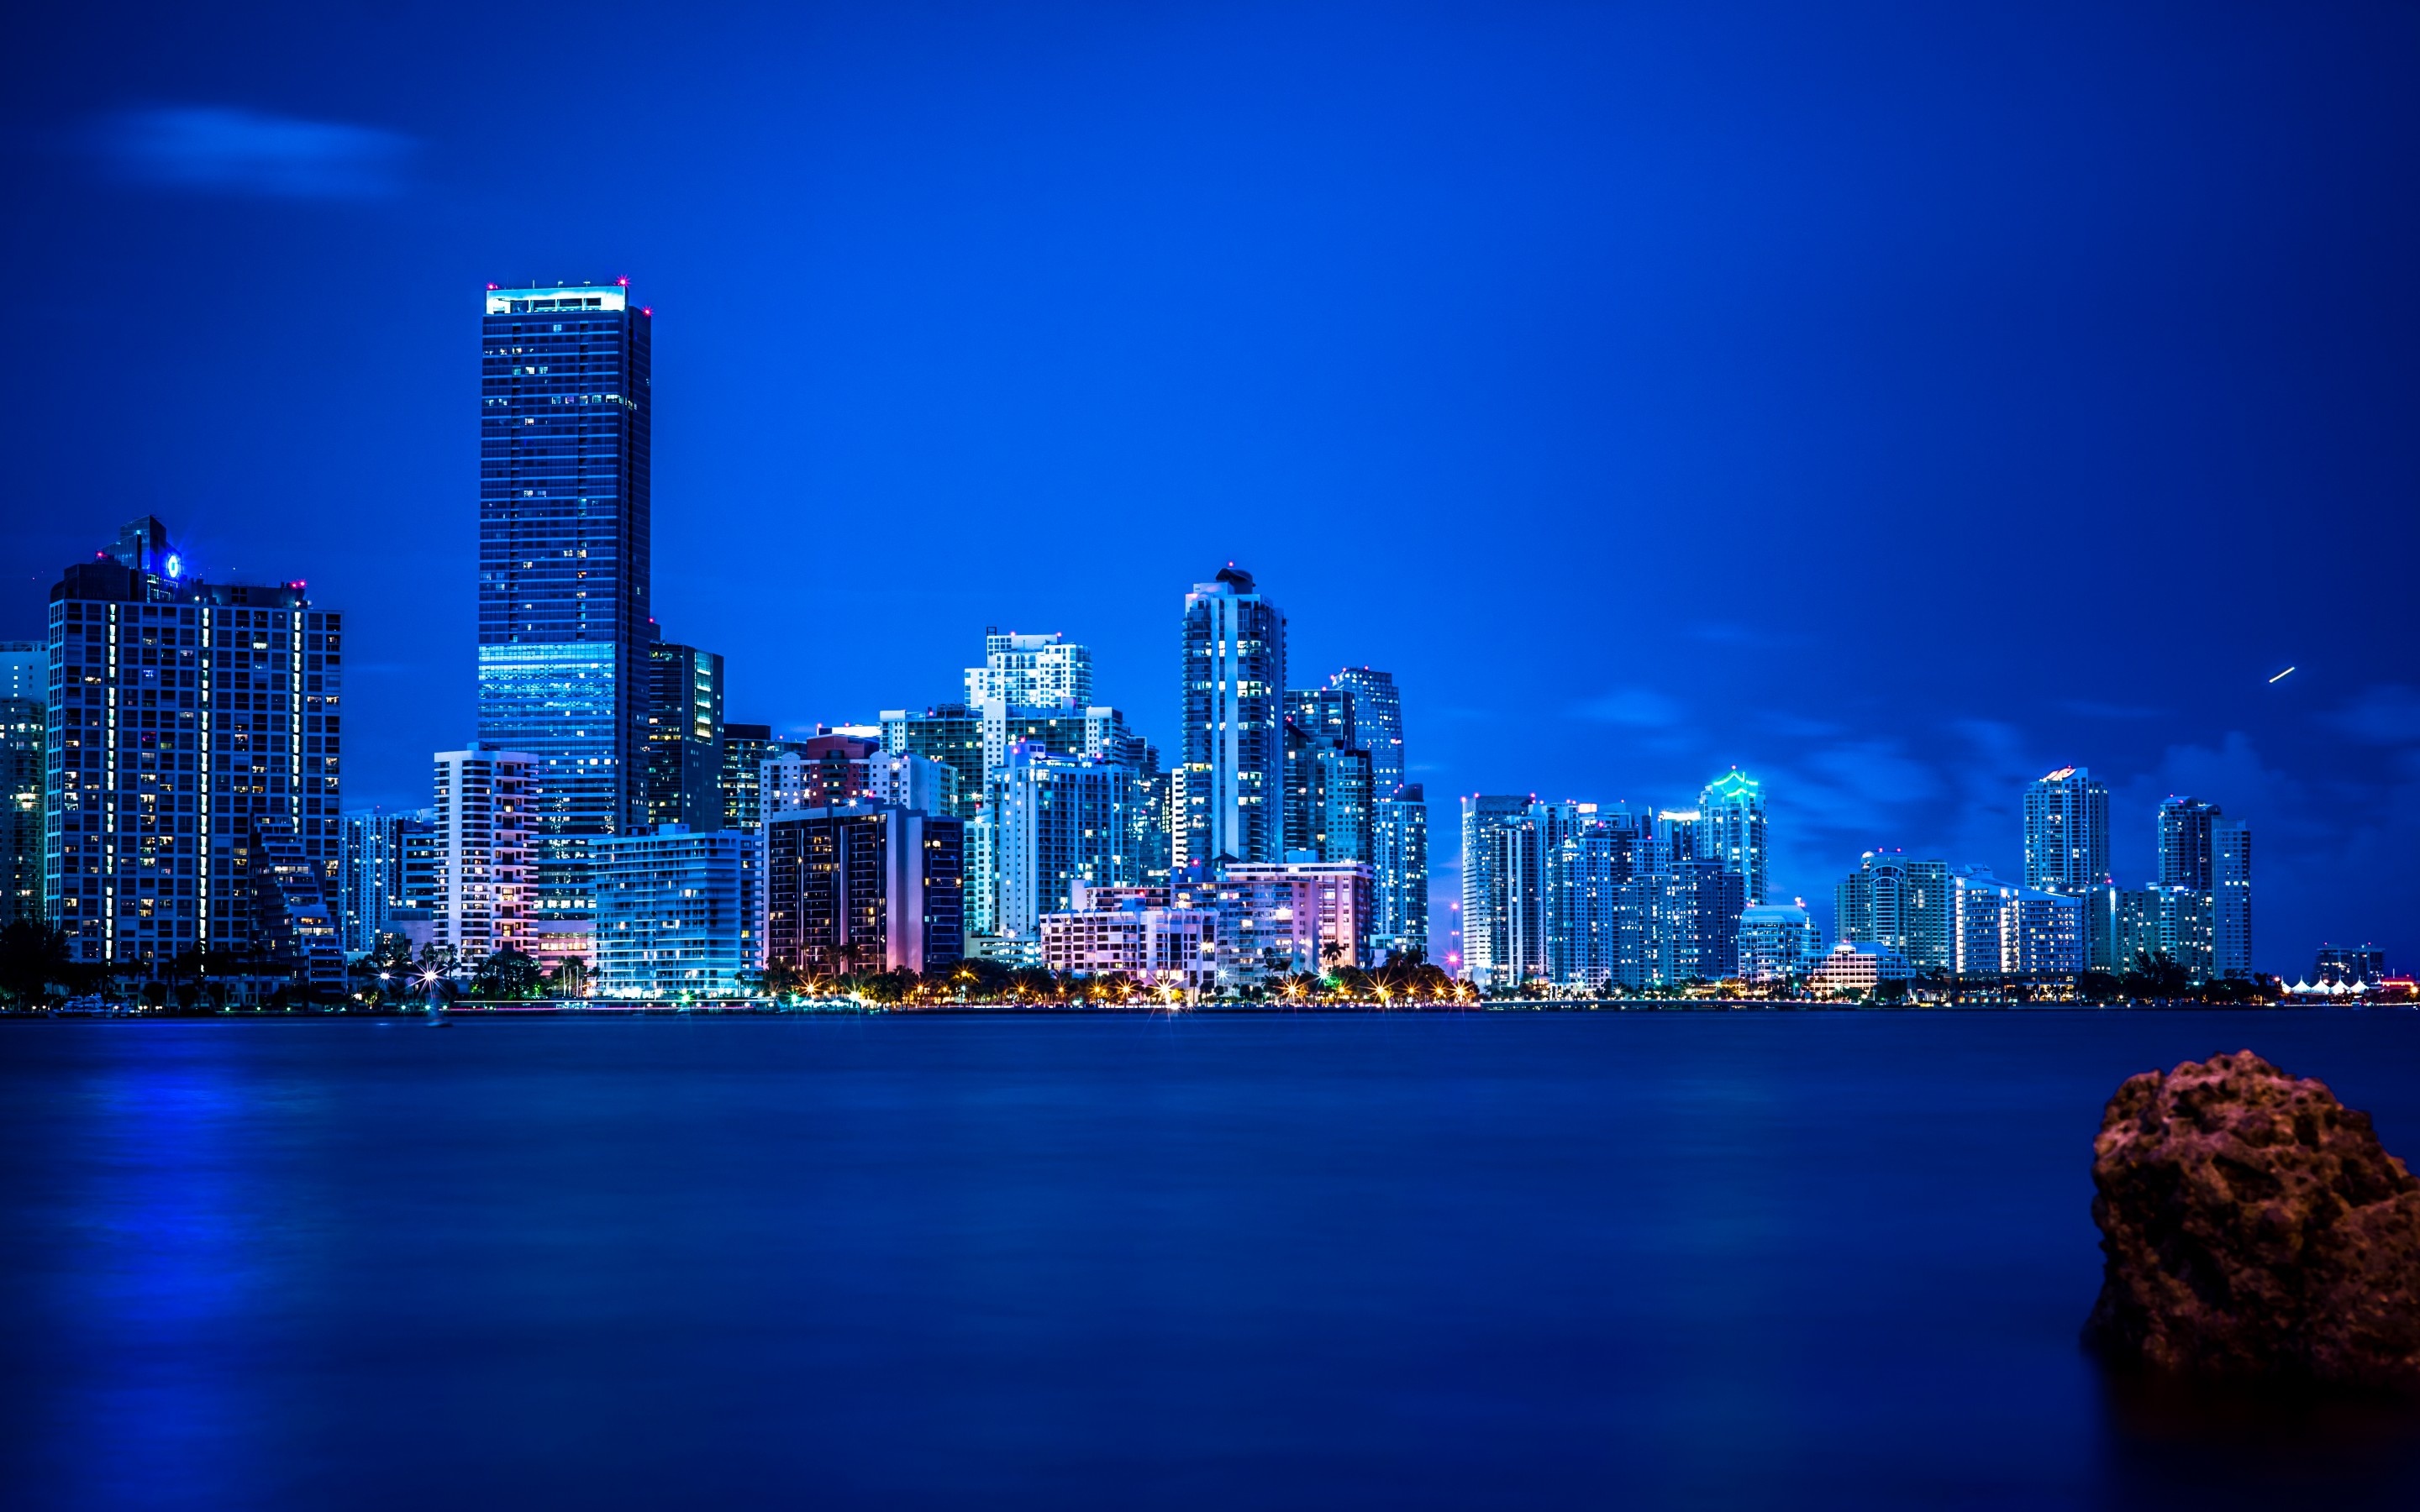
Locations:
196 728
1378 724
950 733
565 612
682 757
1398 863
745 750
386 880
1231 703
1899 903
486 869
1056 820
2066 832
1730 828
859 888
2348 965
678 913
1778 943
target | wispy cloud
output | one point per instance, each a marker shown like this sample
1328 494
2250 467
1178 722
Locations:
220 150
1638 708
2387 715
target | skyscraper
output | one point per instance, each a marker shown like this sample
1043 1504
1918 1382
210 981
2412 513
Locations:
1378 724
2185 841
1032 672
191 761
683 755
2066 832
1900 904
1730 828
1399 858
564 576
2230 876
483 798
1233 703
24 721
375 878
1328 781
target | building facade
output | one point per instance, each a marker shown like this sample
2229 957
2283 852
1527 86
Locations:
1778 943
1730 828
1056 821
379 888
1232 700
23 727
1398 863
679 914
950 733
682 758
859 888
486 869
1378 724
2066 832
193 730
565 609
1897 903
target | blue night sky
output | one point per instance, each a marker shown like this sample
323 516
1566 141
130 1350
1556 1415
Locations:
1894 402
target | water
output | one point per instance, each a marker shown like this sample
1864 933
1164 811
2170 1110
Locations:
1278 1261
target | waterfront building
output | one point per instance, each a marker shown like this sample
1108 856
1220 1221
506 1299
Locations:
1696 922
1056 820
950 733
2348 965
1378 707
678 913
1497 839
1730 828
1902 903
2042 934
682 759
2066 832
1231 703
1398 863
565 612
387 878
485 868
1314 914
1030 671
1977 902
2136 928
1328 779
860 887
1778 943
1154 947
1860 966
193 729
2231 898
23 726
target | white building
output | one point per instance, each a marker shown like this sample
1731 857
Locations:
679 913
1056 821
1155 946
1776 942
1860 968
482 814
911 781
1030 671
1316 914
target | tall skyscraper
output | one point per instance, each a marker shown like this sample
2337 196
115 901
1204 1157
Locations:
683 754
2066 832
1378 724
1491 886
24 723
2231 877
1232 702
1730 828
1398 833
1899 904
565 602
1328 781
192 762
2185 841
1056 820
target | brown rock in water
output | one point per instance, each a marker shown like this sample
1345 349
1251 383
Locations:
2255 1230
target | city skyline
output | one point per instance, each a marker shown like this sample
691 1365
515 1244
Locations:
1849 339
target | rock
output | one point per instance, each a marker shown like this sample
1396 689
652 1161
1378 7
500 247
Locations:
2255 1231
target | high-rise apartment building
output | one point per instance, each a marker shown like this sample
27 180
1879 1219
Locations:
862 888
950 733
192 759
1378 724
1330 785
2066 832
682 757
2185 844
24 725
1777 942
564 608
746 748
1056 821
1233 704
818 771
678 913
1897 903
1398 858
1730 828
1032 672
2231 877
484 841
377 877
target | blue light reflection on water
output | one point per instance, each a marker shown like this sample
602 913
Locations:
1437 1260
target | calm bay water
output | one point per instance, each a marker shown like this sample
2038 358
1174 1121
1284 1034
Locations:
1432 1260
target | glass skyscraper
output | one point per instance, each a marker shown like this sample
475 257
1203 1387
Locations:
1730 828
1232 790
565 616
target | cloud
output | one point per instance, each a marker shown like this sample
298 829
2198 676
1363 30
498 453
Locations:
2089 710
214 149
1638 708
2387 715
